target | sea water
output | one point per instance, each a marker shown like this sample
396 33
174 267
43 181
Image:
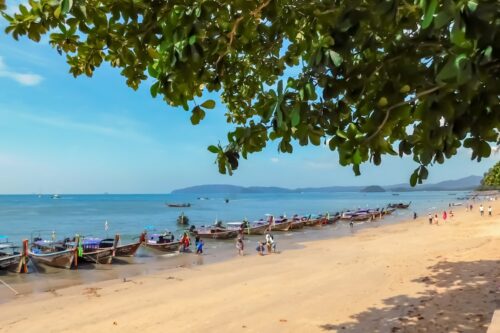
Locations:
23 216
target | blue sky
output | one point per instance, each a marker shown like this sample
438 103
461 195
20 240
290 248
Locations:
64 135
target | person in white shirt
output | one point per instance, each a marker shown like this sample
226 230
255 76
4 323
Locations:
490 211
271 245
481 210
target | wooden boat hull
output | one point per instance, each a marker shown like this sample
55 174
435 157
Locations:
163 247
333 219
284 226
258 230
100 256
297 225
59 259
12 263
314 223
360 218
127 250
219 235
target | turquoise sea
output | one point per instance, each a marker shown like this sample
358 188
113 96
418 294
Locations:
129 215
20 215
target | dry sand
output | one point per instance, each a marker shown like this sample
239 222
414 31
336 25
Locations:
409 277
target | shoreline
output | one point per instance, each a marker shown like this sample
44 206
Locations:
147 263
411 276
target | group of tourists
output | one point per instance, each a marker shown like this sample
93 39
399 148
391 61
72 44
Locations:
268 244
435 219
481 210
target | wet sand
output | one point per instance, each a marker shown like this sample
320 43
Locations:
401 277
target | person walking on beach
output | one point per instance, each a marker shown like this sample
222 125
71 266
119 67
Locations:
451 214
199 246
414 215
430 218
490 211
445 216
481 210
436 221
239 245
185 242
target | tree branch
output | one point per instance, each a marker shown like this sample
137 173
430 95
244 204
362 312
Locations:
255 13
397 105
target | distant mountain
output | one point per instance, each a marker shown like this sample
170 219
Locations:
230 189
373 188
462 184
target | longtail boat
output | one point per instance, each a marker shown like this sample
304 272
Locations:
249 228
10 258
298 222
256 229
179 205
122 250
399 205
315 221
89 250
161 242
215 232
388 211
280 224
51 253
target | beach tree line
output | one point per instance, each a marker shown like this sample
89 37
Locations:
366 78
491 179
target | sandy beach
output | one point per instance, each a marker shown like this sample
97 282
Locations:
407 277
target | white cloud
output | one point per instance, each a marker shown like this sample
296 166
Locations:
275 159
26 79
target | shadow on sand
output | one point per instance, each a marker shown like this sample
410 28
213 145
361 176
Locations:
459 297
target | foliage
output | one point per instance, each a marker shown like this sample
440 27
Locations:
491 179
375 77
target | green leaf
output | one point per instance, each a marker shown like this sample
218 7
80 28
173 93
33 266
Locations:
356 157
66 6
192 40
295 116
57 12
197 115
356 169
154 89
414 178
336 58
429 13
208 104
213 149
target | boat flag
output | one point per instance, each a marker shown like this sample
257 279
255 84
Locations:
106 227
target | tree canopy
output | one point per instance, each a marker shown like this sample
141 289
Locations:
365 77
491 179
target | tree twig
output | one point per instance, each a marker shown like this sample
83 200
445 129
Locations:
397 105
255 13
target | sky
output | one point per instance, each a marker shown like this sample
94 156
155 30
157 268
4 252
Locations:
62 135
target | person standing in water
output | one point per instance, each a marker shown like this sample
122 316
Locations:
270 243
240 245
